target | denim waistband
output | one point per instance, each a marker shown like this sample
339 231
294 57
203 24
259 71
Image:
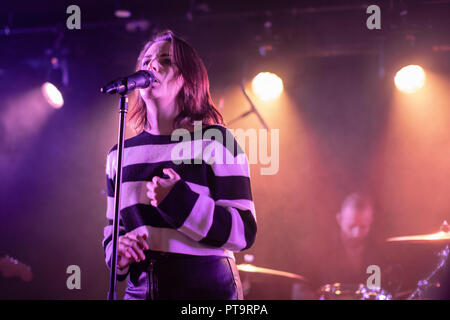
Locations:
159 256
167 275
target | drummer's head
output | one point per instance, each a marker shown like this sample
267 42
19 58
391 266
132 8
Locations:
355 217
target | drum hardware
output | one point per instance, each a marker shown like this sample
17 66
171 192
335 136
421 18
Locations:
427 283
249 269
246 267
440 237
342 291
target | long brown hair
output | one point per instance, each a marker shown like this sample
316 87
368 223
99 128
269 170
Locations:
194 99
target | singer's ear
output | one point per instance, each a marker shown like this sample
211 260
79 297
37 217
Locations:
180 80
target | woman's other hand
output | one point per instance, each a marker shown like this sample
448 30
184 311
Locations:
158 188
131 249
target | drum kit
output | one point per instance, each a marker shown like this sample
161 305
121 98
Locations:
341 291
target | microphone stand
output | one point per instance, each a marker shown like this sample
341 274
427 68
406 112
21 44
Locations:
123 109
253 109
140 79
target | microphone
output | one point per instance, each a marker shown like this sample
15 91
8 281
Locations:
141 79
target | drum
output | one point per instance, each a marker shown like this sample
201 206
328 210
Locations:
340 291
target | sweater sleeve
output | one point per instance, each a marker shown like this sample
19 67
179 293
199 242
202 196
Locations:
226 218
107 242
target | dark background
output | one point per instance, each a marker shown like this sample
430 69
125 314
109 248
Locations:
343 126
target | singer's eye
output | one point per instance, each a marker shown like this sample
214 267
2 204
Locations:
167 62
145 63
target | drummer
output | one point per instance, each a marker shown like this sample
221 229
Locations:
348 251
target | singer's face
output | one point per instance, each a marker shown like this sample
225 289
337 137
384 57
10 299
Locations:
168 82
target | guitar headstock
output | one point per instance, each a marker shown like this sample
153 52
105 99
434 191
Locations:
10 267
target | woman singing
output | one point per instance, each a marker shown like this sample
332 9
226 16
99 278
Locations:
182 214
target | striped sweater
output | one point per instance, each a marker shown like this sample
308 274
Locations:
209 211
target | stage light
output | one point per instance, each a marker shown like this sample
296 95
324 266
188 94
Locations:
409 79
267 86
52 95
56 83
122 14
120 11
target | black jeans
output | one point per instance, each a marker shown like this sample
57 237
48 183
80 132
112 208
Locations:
172 276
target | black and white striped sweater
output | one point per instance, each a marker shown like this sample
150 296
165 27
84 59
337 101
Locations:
210 211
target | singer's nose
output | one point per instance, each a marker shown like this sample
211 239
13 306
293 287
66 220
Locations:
152 65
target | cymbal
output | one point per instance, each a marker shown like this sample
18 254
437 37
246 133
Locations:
442 236
251 268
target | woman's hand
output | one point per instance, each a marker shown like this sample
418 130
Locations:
131 249
158 188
